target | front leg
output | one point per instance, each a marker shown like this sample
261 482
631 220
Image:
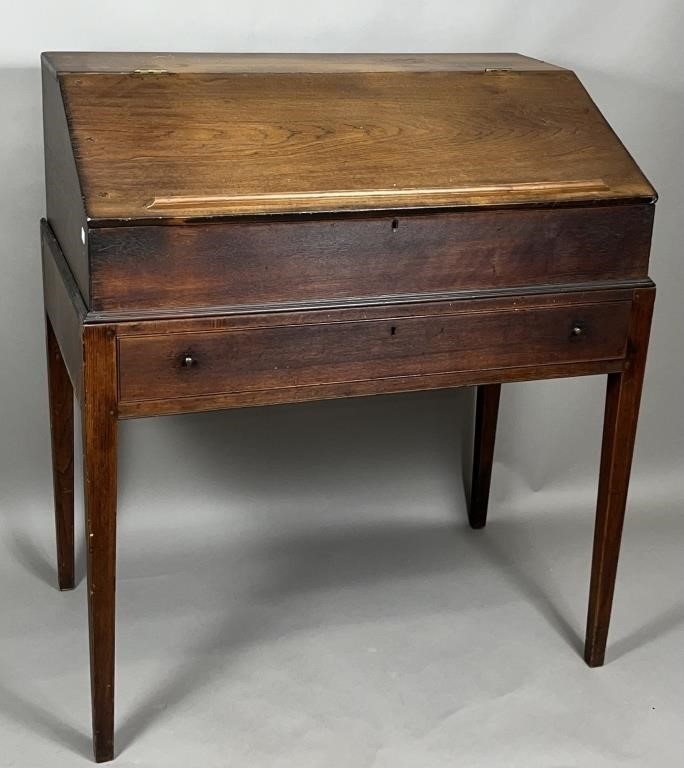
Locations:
619 432
100 460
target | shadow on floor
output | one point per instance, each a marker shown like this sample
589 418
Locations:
355 558
23 710
35 561
661 625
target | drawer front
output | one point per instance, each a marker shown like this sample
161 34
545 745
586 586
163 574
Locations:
252 264
173 365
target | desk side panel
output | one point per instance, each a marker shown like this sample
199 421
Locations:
64 202
64 306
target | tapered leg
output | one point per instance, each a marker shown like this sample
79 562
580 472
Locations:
99 460
487 411
619 430
61 396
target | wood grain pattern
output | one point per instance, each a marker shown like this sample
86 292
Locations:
315 141
238 230
286 63
486 414
61 398
619 432
416 383
182 204
229 265
151 367
63 305
63 198
503 300
99 424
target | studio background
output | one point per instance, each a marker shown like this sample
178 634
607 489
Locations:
297 585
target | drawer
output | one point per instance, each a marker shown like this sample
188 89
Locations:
308 263
249 359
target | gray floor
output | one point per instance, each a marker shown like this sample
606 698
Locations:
303 591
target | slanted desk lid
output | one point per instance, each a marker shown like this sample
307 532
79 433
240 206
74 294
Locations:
176 136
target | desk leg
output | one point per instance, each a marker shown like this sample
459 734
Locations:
99 458
486 414
619 430
61 396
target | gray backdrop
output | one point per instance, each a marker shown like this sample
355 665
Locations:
296 583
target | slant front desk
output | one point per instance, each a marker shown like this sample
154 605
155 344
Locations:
236 230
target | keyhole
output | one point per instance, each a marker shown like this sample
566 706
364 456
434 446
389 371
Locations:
393 330
395 225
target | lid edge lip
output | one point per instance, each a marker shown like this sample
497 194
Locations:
525 64
103 222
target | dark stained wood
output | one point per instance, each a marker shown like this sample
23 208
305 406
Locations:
413 383
622 410
467 302
63 305
273 320
274 143
62 433
404 305
153 368
100 472
238 230
254 264
64 203
486 414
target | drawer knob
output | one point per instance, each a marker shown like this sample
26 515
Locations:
187 361
577 330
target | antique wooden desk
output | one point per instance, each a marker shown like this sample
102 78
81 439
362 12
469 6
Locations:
234 230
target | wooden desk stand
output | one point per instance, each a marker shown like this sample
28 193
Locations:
234 230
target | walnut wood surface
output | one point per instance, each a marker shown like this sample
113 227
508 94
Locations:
227 265
619 432
63 305
99 426
362 139
412 383
469 303
240 230
61 398
486 414
151 367
63 198
284 63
